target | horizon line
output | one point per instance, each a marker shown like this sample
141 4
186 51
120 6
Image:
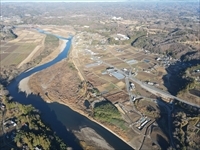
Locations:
93 1
62 1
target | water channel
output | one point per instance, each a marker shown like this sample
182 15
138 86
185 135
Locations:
61 118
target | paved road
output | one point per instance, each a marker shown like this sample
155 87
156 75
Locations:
153 89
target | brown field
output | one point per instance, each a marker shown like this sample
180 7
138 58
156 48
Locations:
115 52
2 42
11 48
4 47
133 116
107 56
160 74
141 91
101 89
116 63
128 53
145 103
140 58
143 65
122 65
107 87
138 54
152 57
160 69
151 64
15 51
60 30
112 60
109 78
120 84
145 76
103 86
100 67
130 57
116 96
95 80
3 55
86 61
125 56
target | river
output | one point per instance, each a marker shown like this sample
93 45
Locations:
61 118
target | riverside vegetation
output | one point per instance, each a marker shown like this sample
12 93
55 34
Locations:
106 112
30 130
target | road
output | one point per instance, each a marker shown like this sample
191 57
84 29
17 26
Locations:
152 89
144 136
156 91
131 96
160 92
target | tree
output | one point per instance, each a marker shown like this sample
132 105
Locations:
4 92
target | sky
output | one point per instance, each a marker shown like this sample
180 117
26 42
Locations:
59 0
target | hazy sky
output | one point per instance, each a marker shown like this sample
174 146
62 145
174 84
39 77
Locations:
58 0
87 0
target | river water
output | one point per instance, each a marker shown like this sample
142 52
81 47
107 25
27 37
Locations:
61 118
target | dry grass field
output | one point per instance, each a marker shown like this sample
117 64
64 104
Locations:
59 30
116 96
145 76
15 51
117 56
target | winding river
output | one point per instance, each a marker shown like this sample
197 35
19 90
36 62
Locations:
61 118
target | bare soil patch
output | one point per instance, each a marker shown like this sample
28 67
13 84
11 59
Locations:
91 138
116 97
145 76
12 48
140 57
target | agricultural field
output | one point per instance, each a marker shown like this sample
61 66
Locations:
93 62
59 30
15 51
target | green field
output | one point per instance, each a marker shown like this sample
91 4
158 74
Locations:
107 112
17 55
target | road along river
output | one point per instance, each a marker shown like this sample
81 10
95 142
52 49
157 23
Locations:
61 118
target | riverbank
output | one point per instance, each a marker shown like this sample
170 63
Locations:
74 108
54 54
23 85
52 83
59 79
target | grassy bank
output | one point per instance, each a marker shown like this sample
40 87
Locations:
30 130
108 113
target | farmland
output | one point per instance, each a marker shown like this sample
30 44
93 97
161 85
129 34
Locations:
131 54
15 51
141 63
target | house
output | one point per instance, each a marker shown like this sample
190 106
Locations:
37 148
150 83
198 125
2 106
